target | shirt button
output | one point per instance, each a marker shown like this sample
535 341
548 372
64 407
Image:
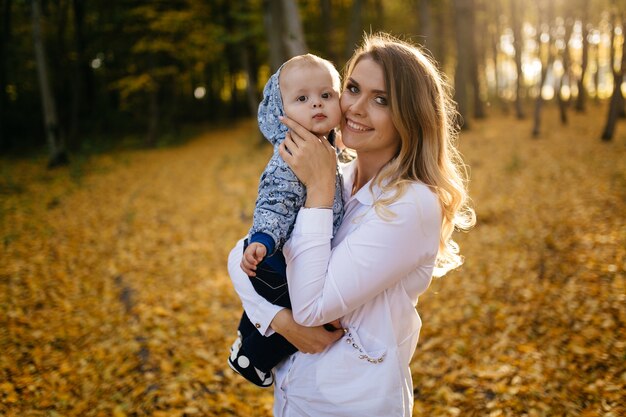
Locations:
258 326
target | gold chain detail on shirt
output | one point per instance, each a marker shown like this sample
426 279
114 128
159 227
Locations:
362 354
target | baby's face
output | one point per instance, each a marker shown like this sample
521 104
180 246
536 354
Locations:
310 97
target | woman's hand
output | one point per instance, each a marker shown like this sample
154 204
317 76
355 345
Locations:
313 161
306 339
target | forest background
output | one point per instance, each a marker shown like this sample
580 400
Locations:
129 160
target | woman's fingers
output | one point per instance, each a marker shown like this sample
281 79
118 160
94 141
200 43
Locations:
285 153
301 132
335 325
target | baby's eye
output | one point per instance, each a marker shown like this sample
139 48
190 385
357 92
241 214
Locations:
326 95
381 100
302 99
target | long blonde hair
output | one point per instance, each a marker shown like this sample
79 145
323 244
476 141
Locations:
424 114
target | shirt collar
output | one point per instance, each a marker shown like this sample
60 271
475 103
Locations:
364 195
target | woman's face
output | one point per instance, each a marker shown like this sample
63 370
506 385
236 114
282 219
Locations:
366 126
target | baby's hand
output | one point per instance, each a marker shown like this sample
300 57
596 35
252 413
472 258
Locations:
252 256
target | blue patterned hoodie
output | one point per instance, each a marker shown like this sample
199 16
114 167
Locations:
281 194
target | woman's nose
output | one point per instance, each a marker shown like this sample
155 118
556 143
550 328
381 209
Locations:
356 107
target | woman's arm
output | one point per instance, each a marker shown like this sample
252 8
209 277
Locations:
325 284
268 317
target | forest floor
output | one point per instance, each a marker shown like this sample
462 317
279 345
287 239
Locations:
114 297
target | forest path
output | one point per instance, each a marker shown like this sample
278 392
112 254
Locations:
114 297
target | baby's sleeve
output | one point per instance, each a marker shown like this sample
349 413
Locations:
280 197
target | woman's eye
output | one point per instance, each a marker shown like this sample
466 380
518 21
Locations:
302 99
352 88
381 100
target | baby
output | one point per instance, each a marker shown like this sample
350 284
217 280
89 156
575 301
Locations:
306 89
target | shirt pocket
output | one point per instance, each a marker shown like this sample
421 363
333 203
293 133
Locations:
363 379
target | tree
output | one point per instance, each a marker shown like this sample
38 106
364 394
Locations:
441 33
495 31
327 35
580 100
354 29
273 22
294 36
617 100
566 76
57 154
284 31
518 44
425 27
82 85
5 35
476 57
546 57
462 11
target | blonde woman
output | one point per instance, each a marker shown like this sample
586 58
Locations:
404 194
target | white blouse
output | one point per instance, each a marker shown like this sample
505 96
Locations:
370 276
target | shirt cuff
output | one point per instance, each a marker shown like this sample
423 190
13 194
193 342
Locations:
264 239
262 318
314 221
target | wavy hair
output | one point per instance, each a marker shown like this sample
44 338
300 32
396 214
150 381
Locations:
424 114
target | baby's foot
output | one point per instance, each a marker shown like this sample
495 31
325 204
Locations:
240 363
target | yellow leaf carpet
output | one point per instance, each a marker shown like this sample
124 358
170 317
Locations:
115 301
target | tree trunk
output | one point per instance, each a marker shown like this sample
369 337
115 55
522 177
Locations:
462 10
518 43
580 100
251 78
475 62
78 83
56 148
613 115
563 103
5 36
294 36
596 76
441 35
379 22
273 22
545 66
354 28
495 32
617 100
326 14
425 28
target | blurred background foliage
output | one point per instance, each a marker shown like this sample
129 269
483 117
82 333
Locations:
116 69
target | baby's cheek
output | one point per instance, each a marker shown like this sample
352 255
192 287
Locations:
336 114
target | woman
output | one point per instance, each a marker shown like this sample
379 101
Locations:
404 194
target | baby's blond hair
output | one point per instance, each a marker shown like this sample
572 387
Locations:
313 60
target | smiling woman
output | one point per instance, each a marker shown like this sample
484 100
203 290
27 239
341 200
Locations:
402 197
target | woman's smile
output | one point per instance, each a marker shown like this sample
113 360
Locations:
356 126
